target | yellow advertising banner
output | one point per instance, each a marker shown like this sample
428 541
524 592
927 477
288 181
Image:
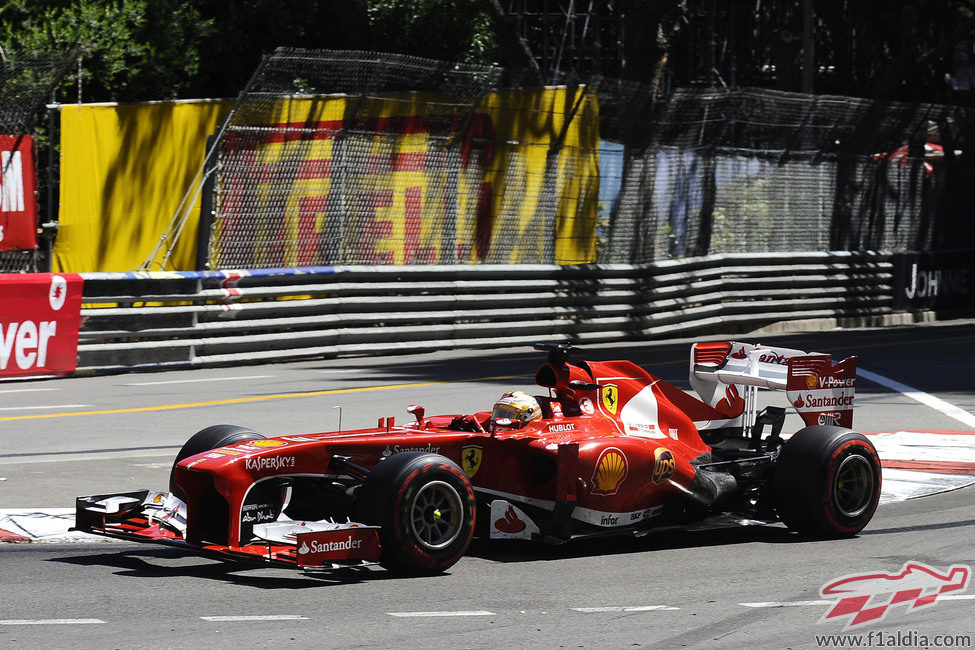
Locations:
124 170
382 180
405 179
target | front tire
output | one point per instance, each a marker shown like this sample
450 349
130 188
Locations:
826 482
213 437
425 506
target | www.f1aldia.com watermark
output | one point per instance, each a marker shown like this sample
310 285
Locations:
893 639
863 598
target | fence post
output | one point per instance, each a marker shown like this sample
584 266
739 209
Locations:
206 206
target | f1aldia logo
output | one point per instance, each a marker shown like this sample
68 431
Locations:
863 598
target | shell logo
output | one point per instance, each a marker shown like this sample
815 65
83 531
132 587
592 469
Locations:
267 443
611 469
811 381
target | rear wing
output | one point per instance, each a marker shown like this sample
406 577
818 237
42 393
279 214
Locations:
822 393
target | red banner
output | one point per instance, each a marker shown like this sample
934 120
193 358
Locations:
40 314
18 203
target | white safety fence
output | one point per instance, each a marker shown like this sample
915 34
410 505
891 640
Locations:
143 320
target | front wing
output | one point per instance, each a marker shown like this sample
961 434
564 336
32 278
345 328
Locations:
160 517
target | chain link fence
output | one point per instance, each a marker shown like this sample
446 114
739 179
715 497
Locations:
762 171
339 157
26 82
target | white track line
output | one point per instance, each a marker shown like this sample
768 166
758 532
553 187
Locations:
950 410
95 455
272 617
52 621
6 391
439 614
795 603
812 603
638 608
194 381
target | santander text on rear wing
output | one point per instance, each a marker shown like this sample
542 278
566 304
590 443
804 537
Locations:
821 392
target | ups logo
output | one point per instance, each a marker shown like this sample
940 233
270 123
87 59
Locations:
664 465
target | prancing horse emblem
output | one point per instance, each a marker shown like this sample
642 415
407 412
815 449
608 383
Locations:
470 460
611 395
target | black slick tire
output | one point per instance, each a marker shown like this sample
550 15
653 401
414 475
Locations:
213 437
826 482
425 507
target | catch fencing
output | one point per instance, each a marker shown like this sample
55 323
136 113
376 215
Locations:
178 320
26 82
360 158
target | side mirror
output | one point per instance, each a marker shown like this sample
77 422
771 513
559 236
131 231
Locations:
578 384
418 412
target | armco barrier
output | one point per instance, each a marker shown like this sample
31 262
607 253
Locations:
145 320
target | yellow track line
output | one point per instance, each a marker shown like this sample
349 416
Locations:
261 398
363 389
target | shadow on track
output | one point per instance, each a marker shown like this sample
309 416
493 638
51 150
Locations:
136 562
523 551
164 564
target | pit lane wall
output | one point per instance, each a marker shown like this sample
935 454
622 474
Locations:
186 319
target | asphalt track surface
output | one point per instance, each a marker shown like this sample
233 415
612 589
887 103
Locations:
756 586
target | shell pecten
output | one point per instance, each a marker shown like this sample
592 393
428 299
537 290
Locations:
611 469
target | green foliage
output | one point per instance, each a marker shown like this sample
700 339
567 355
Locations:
131 49
450 30
160 49
742 217
244 30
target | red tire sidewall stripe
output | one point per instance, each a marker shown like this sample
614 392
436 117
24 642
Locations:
831 468
401 506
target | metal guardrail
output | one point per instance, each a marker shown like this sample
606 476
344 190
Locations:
146 320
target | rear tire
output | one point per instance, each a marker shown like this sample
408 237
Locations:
213 437
826 482
425 506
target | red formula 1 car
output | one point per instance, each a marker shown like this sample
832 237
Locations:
611 449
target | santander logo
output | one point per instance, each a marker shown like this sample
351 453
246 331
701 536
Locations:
510 523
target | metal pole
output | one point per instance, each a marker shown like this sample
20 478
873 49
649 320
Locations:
207 206
50 225
808 46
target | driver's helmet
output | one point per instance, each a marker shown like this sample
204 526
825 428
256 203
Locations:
517 406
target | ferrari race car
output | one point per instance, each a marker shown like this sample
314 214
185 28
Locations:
611 449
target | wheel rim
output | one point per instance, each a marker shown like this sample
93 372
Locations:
436 514
853 485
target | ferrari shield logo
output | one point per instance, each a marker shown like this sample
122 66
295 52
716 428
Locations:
470 460
610 394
